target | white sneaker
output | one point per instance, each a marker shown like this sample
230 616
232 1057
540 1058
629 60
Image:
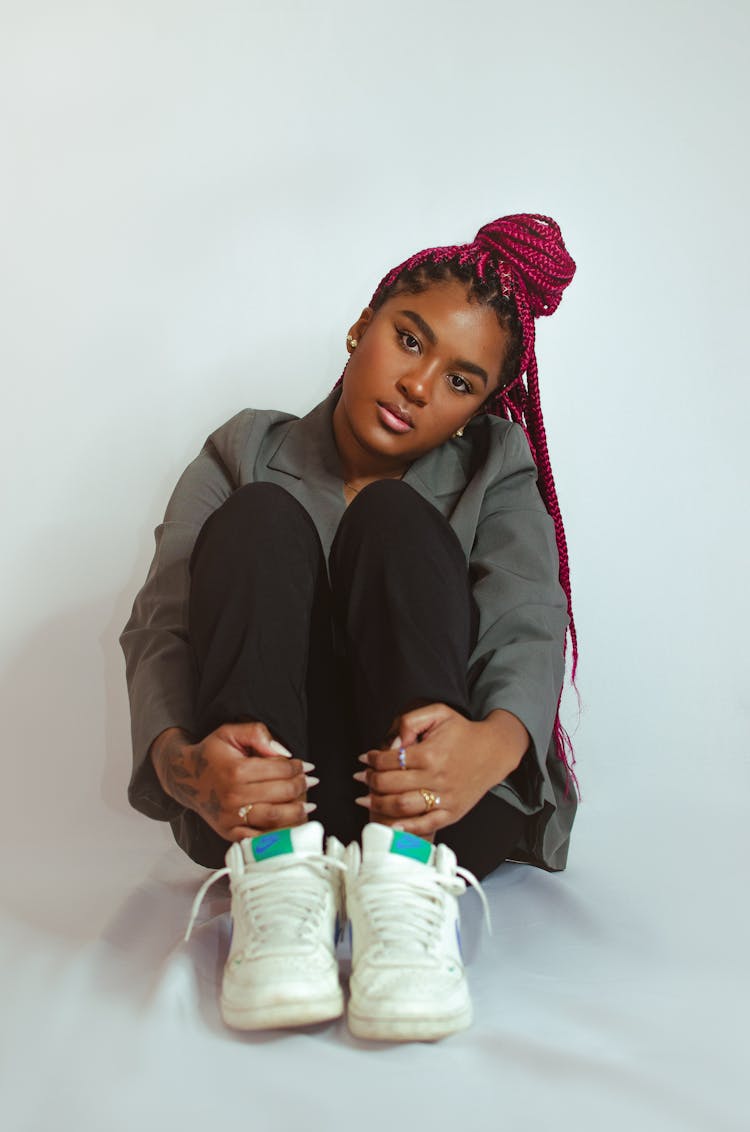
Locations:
408 980
286 911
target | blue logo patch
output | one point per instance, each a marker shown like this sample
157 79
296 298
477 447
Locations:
272 844
409 845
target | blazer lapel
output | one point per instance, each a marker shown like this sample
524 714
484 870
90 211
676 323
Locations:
439 475
307 464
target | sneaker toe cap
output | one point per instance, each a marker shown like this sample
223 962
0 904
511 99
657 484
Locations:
410 992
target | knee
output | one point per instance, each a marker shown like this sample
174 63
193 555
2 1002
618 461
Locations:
265 503
390 508
384 501
390 517
257 514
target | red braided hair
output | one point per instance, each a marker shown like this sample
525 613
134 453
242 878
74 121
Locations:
520 266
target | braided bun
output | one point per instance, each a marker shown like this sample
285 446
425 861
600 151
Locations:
532 246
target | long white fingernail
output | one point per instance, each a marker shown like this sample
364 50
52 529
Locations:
310 781
309 807
279 749
396 744
308 767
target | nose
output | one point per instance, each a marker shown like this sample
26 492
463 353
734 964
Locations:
416 385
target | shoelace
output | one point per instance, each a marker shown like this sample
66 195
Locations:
292 908
417 923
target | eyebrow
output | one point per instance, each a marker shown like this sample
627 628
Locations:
431 336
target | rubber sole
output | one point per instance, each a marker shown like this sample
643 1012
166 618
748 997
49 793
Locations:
396 1029
281 1015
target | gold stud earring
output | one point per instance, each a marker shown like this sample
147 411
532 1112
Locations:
352 342
460 431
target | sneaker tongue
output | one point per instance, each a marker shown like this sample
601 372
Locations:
303 839
380 840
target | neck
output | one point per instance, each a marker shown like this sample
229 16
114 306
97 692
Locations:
358 482
359 466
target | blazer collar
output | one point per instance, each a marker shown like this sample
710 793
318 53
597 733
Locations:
308 449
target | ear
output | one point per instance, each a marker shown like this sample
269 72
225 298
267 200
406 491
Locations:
362 323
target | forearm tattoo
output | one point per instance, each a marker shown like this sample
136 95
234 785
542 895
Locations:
182 773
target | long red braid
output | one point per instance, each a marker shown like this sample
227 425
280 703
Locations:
526 256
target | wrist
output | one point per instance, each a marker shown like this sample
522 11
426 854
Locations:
509 737
168 743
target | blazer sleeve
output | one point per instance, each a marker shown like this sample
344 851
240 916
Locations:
158 660
518 663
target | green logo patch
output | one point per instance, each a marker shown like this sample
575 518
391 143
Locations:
409 845
272 844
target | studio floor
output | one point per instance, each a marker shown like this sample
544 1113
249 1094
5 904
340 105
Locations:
609 996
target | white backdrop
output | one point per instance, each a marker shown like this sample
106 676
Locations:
197 201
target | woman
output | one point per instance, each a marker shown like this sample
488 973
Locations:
384 578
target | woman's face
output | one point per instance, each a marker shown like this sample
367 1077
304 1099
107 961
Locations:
423 365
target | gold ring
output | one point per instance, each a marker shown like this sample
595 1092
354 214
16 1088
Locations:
430 800
244 811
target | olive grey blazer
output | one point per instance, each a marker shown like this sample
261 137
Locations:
485 484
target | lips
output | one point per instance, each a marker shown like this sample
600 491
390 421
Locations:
394 417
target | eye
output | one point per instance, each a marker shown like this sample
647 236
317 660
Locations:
408 341
460 384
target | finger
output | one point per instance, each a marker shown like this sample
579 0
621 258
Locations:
271 793
414 723
407 727
413 759
395 781
425 825
254 736
253 770
409 805
240 832
265 816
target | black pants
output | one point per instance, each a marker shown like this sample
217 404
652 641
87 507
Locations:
327 667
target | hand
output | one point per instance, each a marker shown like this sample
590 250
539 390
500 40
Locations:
456 758
238 764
